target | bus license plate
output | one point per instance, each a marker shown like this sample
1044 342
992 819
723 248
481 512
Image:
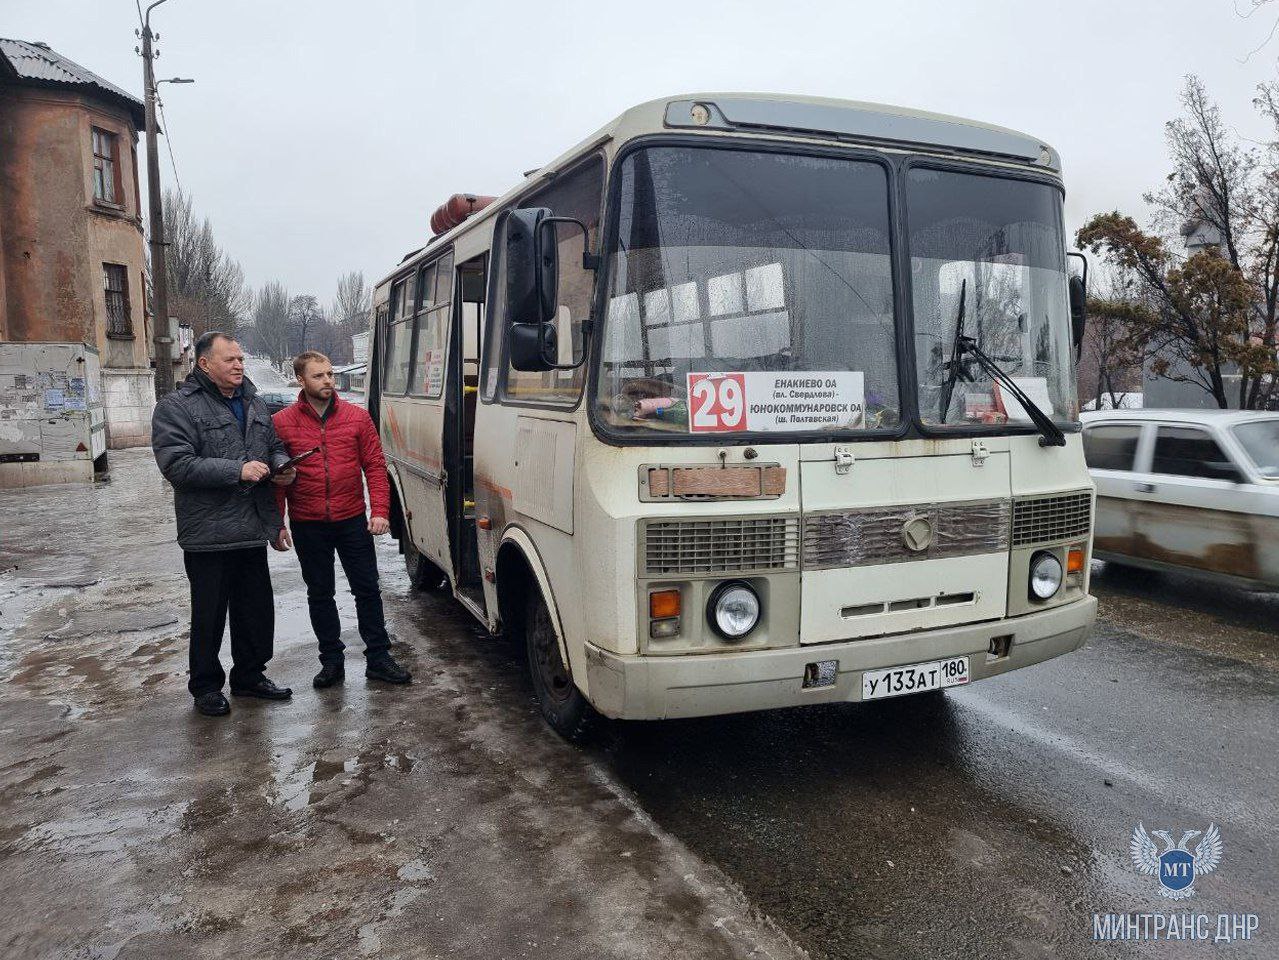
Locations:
915 678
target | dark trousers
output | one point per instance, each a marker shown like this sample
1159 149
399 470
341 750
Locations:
236 581
316 541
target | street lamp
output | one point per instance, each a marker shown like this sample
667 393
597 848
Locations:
175 80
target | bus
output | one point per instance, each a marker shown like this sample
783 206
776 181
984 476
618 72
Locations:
748 402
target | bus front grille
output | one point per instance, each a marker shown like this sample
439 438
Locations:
874 535
1052 519
720 545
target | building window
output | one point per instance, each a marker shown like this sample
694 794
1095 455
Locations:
115 281
105 166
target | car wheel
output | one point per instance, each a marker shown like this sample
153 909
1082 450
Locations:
423 574
562 704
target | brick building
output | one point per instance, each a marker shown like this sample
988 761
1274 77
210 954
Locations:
73 265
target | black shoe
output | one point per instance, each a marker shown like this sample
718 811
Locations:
212 704
330 675
264 689
386 669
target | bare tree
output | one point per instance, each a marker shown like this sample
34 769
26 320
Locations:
353 299
350 312
271 329
305 320
206 287
1205 315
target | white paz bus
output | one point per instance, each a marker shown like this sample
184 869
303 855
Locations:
748 402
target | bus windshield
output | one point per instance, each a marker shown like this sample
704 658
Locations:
751 292
987 261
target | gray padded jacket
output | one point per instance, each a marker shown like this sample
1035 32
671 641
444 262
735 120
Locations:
200 450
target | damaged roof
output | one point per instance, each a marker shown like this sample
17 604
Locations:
35 64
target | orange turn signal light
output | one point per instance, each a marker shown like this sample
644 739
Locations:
663 604
1075 560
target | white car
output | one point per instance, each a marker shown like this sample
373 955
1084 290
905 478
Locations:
1192 490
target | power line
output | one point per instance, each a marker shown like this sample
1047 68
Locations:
168 142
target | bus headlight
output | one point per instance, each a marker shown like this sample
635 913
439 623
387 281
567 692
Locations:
1045 575
733 610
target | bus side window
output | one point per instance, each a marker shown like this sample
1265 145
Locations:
576 194
395 376
431 335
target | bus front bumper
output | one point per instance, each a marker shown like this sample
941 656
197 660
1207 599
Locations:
665 687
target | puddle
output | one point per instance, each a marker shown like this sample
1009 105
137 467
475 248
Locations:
298 787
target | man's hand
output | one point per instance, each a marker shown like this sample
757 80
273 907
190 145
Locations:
379 526
253 471
285 477
283 541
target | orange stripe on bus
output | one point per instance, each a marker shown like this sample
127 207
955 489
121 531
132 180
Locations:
401 448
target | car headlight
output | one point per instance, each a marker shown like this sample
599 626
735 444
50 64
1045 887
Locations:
1045 576
733 610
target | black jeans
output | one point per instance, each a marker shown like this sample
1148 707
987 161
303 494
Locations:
316 541
236 581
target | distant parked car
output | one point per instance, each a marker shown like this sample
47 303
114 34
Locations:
277 399
1191 490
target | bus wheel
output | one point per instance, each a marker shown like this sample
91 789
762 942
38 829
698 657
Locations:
423 574
563 705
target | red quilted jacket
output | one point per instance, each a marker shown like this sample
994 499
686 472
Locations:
329 485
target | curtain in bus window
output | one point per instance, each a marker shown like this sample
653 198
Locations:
577 195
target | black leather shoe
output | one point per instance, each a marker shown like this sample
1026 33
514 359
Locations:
212 704
264 689
330 675
386 669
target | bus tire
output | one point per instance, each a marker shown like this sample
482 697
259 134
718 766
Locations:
423 574
562 704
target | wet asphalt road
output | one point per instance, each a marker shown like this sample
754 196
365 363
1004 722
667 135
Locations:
994 821
446 820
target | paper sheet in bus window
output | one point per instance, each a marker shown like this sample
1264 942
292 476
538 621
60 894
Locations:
621 341
564 339
1036 388
685 303
754 335
681 341
777 401
765 289
657 307
724 294
433 363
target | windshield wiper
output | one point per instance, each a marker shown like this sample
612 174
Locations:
1052 435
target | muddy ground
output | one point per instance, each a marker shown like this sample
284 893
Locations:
439 820
446 820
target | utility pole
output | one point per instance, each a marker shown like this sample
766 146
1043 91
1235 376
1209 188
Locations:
159 269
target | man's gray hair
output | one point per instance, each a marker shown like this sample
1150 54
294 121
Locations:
206 341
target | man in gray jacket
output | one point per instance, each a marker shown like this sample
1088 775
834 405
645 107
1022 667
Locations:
214 441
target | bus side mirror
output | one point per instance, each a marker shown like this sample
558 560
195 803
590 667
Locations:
1078 310
530 344
532 283
531 272
1078 287
532 278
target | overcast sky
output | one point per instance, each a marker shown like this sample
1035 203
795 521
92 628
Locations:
320 135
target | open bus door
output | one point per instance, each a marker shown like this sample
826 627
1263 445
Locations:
459 433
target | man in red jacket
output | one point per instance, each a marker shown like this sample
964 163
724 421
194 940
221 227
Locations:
326 513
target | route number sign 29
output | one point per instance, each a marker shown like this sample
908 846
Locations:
716 402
